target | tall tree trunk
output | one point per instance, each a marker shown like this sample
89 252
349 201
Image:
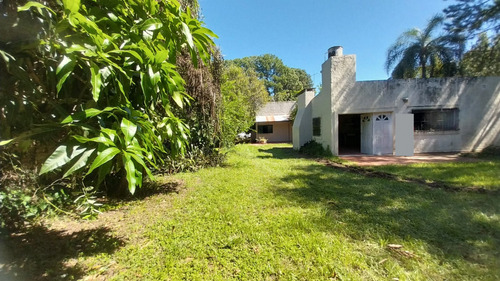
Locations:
422 64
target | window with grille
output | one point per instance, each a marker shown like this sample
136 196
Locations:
317 126
434 120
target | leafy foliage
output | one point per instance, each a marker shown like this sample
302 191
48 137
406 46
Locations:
473 17
483 59
194 159
282 82
242 95
416 51
315 149
107 69
202 117
22 198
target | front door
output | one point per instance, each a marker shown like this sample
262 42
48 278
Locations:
382 133
367 133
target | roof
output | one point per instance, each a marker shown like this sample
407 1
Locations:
275 111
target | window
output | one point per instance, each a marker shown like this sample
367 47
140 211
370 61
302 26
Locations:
317 126
382 117
432 120
265 129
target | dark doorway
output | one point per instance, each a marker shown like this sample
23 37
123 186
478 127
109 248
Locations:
349 134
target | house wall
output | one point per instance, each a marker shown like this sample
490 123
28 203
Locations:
302 125
282 131
320 107
478 101
341 77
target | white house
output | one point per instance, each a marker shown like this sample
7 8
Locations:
399 117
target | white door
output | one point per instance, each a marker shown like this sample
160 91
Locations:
382 133
404 135
366 133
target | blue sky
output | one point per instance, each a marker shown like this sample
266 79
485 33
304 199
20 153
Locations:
300 32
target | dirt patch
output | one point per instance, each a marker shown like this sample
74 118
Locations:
52 250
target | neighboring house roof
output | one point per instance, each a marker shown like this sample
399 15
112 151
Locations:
275 111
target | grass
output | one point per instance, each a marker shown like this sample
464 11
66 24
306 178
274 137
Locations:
484 173
271 215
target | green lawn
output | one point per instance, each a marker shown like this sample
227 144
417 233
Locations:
484 174
271 215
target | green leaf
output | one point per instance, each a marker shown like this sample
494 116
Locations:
121 88
6 56
71 5
130 52
146 49
143 164
64 69
138 176
151 25
103 171
76 48
155 77
102 139
78 20
112 16
103 157
177 97
96 81
161 56
105 72
60 157
110 133
5 142
187 33
146 87
37 5
80 163
128 128
88 113
131 172
206 31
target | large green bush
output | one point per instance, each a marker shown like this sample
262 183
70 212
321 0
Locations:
101 77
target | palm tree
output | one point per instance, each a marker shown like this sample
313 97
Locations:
417 50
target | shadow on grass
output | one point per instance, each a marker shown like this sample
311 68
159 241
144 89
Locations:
156 187
43 254
467 174
454 225
280 153
150 188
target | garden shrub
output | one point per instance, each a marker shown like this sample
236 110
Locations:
315 149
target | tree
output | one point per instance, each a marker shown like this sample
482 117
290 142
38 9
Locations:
242 95
477 20
472 17
281 81
103 75
483 59
417 51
